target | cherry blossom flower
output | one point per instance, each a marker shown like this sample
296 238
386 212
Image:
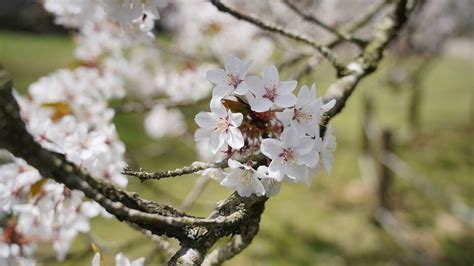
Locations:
232 79
270 91
220 126
244 179
291 156
306 115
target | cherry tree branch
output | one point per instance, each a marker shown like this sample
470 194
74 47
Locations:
232 248
193 253
360 21
235 245
368 61
365 18
341 35
195 167
325 51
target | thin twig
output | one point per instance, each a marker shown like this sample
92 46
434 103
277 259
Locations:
360 21
196 167
325 51
340 34
365 17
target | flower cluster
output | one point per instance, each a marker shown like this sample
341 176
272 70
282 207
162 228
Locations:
66 112
252 115
215 33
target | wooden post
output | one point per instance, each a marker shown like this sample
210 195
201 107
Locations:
384 173
367 114
414 107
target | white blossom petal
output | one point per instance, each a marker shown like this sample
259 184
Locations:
287 87
232 65
233 164
236 140
255 84
202 133
218 108
206 120
236 119
285 100
216 76
275 170
259 105
216 140
222 90
304 96
242 88
271 148
232 178
271 77
285 117
244 67
296 172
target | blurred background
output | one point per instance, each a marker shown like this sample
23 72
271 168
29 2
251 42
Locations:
425 100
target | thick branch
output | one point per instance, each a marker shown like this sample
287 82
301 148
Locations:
236 245
193 253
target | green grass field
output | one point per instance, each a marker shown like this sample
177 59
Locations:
331 222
